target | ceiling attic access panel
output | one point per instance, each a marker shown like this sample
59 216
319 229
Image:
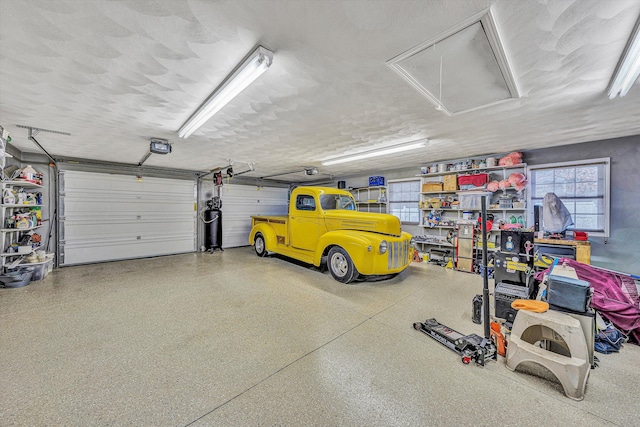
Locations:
462 69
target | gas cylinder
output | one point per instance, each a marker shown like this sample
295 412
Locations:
212 229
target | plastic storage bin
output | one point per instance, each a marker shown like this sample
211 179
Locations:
39 271
16 279
471 182
472 200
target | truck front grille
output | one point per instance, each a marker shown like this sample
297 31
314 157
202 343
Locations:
398 254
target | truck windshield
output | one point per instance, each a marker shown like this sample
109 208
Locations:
337 201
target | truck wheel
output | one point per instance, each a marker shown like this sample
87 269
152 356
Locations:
259 246
341 266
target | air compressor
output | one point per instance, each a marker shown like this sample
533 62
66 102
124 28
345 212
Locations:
212 218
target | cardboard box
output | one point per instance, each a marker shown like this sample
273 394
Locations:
450 182
431 187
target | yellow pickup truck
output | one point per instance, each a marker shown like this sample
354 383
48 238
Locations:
323 223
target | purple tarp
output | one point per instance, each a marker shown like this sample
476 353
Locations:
615 296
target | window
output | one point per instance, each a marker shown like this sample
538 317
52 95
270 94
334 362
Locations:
582 186
305 203
403 200
337 201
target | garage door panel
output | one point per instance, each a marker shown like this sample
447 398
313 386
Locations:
104 230
110 251
89 242
92 182
104 207
240 202
136 196
106 217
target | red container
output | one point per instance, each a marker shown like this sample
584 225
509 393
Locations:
580 235
476 180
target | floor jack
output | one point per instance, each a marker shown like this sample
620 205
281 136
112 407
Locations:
470 347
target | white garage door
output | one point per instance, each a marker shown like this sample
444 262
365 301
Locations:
239 202
105 217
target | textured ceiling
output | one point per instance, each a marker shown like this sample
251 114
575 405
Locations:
115 73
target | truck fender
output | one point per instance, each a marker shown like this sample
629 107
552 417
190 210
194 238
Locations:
355 243
270 238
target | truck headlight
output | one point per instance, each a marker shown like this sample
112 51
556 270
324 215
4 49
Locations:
383 247
412 242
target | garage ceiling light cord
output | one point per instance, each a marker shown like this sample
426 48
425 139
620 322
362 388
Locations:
244 74
144 158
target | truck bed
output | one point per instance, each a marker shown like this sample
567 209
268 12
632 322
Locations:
277 222
269 218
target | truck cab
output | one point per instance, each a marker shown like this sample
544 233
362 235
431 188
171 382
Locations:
324 224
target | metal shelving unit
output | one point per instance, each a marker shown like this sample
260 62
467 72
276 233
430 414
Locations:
437 238
11 235
371 199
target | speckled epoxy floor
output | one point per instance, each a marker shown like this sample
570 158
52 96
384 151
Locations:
229 339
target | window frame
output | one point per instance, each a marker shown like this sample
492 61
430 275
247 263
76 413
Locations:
389 202
324 207
606 197
300 197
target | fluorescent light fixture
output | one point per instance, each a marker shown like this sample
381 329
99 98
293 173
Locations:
628 68
375 153
244 74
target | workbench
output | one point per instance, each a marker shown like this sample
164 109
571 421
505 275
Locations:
580 248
